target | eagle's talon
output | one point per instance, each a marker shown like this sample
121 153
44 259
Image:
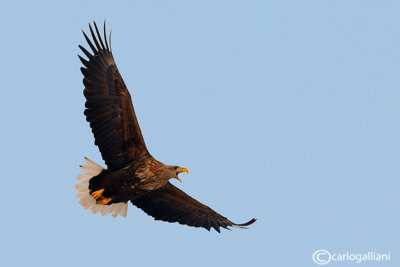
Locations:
97 194
103 201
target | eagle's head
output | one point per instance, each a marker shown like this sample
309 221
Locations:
173 171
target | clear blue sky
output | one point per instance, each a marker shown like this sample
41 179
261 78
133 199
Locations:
287 111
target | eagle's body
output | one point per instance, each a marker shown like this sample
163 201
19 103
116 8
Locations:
132 181
132 174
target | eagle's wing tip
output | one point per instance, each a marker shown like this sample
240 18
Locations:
243 225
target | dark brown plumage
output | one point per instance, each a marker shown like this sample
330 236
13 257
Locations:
132 174
171 204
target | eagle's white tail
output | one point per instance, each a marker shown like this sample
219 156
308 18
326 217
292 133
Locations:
87 201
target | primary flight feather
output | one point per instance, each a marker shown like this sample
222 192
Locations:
132 174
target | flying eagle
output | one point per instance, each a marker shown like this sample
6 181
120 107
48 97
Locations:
132 174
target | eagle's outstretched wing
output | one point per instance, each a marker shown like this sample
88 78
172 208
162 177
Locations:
109 108
173 205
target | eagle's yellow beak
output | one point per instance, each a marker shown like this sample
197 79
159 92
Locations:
183 170
179 170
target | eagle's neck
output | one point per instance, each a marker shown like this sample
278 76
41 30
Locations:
153 174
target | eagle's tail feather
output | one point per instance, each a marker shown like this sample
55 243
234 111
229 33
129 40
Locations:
87 201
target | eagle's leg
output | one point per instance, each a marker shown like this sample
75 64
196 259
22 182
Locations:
97 194
103 200
99 199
